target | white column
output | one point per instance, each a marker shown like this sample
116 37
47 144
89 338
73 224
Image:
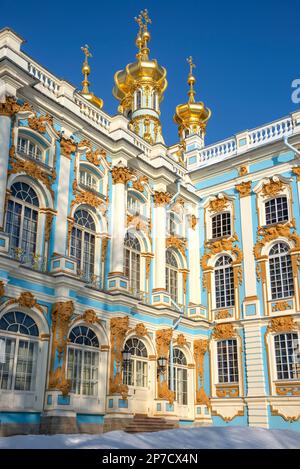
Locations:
118 228
247 234
159 233
5 123
194 261
256 393
61 223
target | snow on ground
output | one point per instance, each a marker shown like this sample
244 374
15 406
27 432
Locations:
180 438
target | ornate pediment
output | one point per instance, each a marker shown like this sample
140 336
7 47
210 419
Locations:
268 234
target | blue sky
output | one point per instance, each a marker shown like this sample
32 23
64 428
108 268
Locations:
247 53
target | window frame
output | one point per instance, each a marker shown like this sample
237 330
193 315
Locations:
130 375
277 220
223 233
274 272
229 299
235 361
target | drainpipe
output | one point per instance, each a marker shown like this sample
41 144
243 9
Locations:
178 181
171 348
291 147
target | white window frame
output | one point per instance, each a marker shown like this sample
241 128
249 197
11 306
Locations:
38 153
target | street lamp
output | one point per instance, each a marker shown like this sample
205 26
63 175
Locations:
162 363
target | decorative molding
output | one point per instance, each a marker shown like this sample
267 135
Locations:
86 197
67 147
282 324
139 224
104 245
163 339
121 174
272 187
62 312
193 221
48 222
288 388
93 157
227 391
39 123
222 245
89 316
118 330
296 171
139 184
224 331
277 413
244 188
243 170
2 288
240 413
280 230
177 243
32 169
281 306
10 107
181 340
161 198
200 348
222 314
26 300
218 204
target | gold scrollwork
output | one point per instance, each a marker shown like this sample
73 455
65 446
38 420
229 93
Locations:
244 188
265 235
240 413
272 188
227 391
39 123
67 147
139 184
218 204
177 243
161 198
215 247
27 300
31 168
282 324
2 288
288 389
281 306
287 418
224 331
10 107
121 174
200 348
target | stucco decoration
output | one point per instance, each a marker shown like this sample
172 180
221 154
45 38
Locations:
163 339
27 300
224 331
200 348
118 330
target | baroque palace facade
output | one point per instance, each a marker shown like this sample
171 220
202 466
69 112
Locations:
137 278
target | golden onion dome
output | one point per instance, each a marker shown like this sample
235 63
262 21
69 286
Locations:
192 115
143 71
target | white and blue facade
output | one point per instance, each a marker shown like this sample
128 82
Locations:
108 243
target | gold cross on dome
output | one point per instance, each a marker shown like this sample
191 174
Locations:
191 64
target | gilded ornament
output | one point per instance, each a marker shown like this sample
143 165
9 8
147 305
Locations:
240 413
200 348
140 330
139 184
243 170
104 245
121 174
118 330
10 107
244 188
296 171
218 204
221 245
136 222
86 197
287 418
2 288
26 300
32 169
285 230
272 188
227 391
163 339
161 198
177 243
282 324
223 331
181 340
67 147
223 314
288 388
39 123
193 220
281 306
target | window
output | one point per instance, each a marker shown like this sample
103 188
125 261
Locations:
172 275
276 210
132 259
135 372
138 99
180 377
22 218
287 355
228 371
281 272
221 225
83 243
133 205
29 148
83 361
172 224
224 283
18 351
89 180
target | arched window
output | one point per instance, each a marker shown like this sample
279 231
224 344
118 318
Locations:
83 361
83 242
135 372
29 148
138 99
18 351
276 210
287 354
221 225
132 260
89 180
224 284
281 272
172 275
228 370
22 218
180 377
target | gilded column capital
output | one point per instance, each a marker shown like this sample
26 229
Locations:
163 339
244 188
161 198
296 171
121 174
67 146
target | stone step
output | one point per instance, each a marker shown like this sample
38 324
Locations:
143 423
